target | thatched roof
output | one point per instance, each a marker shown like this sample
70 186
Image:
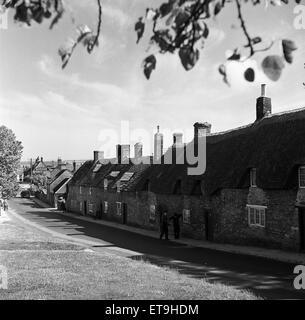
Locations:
275 146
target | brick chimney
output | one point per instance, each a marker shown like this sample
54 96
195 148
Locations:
74 166
123 153
60 164
98 155
201 129
178 148
177 139
263 104
138 150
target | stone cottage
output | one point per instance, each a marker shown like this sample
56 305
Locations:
252 191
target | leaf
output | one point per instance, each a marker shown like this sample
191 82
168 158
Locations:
217 8
166 8
288 47
83 31
272 67
181 18
66 51
149 64
188 57
223 71
256 40
139 28
235 56
249 75
150 14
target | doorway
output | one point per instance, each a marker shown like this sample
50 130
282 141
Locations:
208 221
124 213
85 208
302 228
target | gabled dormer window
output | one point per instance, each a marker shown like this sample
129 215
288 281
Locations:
302 177
253 177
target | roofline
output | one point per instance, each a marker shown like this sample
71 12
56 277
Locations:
250 124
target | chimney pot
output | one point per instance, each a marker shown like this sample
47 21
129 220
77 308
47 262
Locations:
263 90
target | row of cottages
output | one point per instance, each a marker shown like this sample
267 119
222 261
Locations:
252 192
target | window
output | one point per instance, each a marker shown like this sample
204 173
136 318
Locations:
97 167
302 177
80 189
152 213
186 216
118 186
105 184
253 177
257 216
118 208
91 208
114 174
90 191
126 176
81 207
105 206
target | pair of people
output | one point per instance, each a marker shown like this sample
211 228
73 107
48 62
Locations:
164 225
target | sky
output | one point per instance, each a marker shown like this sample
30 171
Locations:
69 113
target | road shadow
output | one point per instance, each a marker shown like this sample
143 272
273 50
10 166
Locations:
266 278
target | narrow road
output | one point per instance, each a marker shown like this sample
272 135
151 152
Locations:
266 278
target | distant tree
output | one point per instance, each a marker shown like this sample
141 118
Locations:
10 155
177 26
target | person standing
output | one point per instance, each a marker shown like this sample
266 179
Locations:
5 205
176 223
164 226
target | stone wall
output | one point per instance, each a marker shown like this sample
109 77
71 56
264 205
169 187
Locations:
281 229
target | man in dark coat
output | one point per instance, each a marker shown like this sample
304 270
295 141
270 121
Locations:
176 224
164 226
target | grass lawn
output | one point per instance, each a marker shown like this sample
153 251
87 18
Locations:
41 267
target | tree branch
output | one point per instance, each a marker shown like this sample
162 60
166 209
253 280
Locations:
98 32
243 26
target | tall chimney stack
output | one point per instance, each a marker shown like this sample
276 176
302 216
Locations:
138 150
158 145
263 104
60 164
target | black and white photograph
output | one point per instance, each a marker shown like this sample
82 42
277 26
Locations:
152 153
